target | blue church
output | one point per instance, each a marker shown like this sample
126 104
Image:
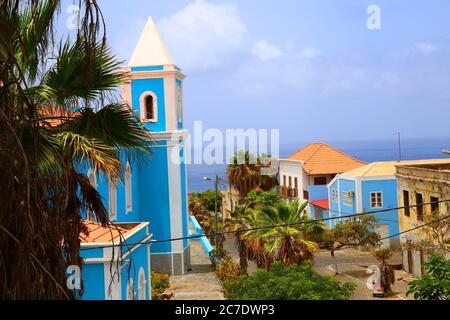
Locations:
155 191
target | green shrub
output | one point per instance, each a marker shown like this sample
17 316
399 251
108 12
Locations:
296 282
160 282
435 283
227 270
219 254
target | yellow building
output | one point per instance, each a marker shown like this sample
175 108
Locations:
420 183
230 200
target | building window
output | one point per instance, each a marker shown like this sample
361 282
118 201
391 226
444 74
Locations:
419 206
434 204
128 189
347 198
290 182
142 285
406 203
149 107
376 199
93 182
112 197
320 181
284 180
334 195
130 290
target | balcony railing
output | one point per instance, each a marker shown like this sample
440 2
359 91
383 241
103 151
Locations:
287 193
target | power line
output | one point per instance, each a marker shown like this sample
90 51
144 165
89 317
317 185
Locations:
260 228
385 210
415 228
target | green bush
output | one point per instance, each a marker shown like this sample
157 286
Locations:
296 282
227 270
435 283
160 282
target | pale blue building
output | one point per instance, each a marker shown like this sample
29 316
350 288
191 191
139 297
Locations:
368 188
154 193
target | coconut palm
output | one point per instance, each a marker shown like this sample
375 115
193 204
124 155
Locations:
58 115
287 241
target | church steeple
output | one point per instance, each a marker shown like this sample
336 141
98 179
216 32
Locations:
150 49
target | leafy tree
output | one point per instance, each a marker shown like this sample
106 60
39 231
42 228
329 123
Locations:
44 141
352 232
288 241
259 198
295 282
435 283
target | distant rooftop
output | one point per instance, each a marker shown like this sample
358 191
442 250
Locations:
321 158
388 168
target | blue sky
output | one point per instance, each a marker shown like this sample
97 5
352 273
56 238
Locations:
308 67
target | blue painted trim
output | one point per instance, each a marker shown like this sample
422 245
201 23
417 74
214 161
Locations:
203 240
152 68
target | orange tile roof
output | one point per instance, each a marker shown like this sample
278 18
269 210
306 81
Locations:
99 234
57 116
321 158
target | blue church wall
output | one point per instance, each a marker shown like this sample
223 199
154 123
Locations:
130 270
389 195
134 257
92 253
183 195
93 281
154 197
180 123
139 86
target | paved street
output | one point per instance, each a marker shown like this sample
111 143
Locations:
200 283
352 266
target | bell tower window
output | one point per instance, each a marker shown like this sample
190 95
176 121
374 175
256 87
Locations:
149 111
149 107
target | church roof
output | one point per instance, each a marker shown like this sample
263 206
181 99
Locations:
150 49
99 234
321 158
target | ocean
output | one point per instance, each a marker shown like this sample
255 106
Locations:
368 151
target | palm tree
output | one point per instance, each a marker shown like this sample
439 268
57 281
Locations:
45 142
287 241
386 271
238 224
243 173
255 244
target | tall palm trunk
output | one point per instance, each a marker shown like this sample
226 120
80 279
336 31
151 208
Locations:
243 262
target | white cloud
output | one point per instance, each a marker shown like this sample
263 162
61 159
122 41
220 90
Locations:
311 53
203 35
266 51
425 48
